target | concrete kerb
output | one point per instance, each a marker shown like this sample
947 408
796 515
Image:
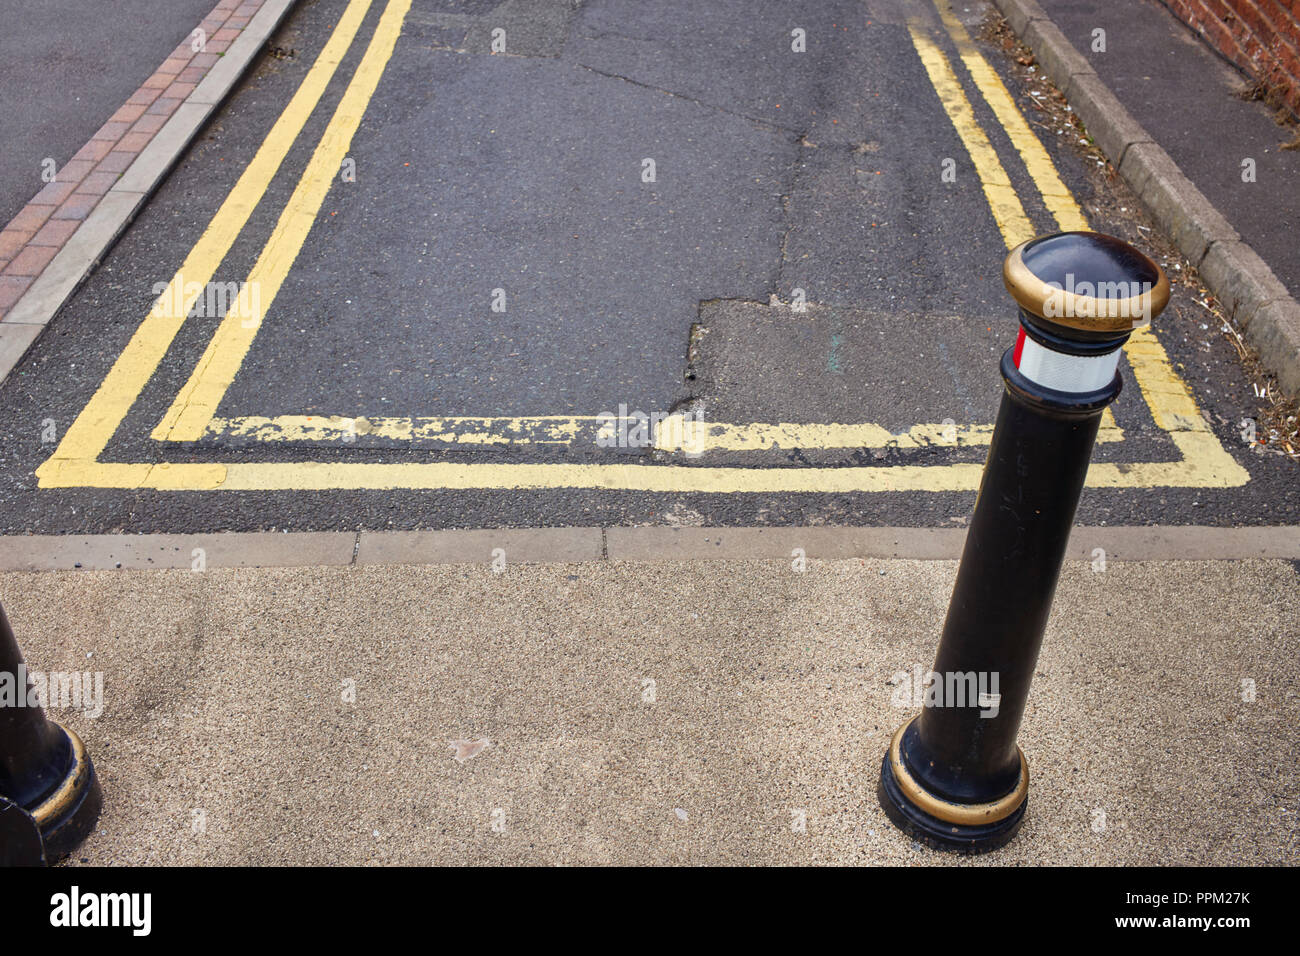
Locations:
1021 15
1163 187
134 552
1275 330
73 263
150 168
1059 60
509 547
1115 132
505 547
1237 276
1244 282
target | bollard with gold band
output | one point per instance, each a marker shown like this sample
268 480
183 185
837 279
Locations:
49 795
954 777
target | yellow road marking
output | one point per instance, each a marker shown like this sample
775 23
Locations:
90 433
1172 407
675 433
681 434
1056 196
1205 462
1001 195
197 401
1200 472
1171 403
539 430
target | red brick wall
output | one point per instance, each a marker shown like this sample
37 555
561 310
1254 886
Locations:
1260 36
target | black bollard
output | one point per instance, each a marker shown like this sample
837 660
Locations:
954 777
46 777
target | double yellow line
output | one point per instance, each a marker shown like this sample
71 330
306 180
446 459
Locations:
87 437
1004 202
1174 410
75 463
197 400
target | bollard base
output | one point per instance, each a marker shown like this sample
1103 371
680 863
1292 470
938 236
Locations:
939 834
69 814
20 837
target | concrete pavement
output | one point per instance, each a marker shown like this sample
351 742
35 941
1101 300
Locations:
674 712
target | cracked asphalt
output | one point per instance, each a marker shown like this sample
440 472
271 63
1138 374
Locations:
519 178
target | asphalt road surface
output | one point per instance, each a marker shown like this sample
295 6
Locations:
471 254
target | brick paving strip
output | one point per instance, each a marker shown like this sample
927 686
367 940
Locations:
67 228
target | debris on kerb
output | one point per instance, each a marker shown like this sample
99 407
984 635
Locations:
954 777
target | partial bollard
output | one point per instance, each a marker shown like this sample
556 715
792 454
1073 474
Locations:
954 777
49 795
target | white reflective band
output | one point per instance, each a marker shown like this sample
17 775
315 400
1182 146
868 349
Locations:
1065 373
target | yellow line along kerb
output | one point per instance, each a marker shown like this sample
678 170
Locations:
1056 196
197 400
1167 396
87 437
1001 195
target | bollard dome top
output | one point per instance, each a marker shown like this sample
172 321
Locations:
1086 281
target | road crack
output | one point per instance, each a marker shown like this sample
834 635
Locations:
765 125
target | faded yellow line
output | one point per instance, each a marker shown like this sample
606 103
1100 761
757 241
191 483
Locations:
467 430
1001 195
699 437
197 401
675 433
103 414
